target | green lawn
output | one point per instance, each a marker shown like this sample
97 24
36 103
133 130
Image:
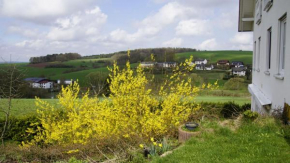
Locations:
223 99
258 142
22 107
214 56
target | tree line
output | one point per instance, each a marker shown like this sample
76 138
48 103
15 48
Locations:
141 55
55 57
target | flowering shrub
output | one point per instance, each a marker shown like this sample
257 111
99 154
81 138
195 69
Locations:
130 110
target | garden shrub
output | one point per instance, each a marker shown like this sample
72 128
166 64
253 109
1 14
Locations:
17 128
130 110
235 84
246 106
231 109
248 114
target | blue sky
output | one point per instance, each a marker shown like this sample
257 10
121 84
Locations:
31 28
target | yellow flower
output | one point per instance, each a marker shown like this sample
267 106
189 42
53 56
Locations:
141 146
152 139
72 151
160 145
154 143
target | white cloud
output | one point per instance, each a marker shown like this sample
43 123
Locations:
40 11
80 25
209 44
153 24
193 27
34 44
175 42
31 33
207 3
243 38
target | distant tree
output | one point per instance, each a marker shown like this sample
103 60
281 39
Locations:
98 83
11 80
248 74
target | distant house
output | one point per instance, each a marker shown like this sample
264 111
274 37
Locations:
200 61
239 71
199 67
204 67
147 64
237 64
40 83
66 81
223 62
209 67
166 64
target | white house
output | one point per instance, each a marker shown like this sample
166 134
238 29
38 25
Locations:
239 71
40 83
200 61
147 64
237 64
66 82
270 88
166 64
209 67
204 67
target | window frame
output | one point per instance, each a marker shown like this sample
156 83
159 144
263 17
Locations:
259 54
254 56
282 44
267 5
269 49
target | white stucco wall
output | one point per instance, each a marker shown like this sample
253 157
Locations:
276 90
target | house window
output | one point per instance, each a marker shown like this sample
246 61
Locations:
269 47
282 45
267 5
258 54
254 57
258 11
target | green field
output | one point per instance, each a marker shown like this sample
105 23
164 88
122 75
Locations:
214 56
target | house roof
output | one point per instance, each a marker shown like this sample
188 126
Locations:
238 69
246 15
223 61
147 62
237 63
34 80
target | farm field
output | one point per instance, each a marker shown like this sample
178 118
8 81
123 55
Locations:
22 107
61 73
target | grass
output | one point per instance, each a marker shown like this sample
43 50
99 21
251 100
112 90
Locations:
21 107
223 99
259 141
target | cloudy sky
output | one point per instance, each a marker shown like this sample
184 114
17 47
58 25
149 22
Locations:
38 27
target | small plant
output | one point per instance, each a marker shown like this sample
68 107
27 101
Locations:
250 115
155 148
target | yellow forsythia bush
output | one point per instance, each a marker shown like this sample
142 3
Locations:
130 110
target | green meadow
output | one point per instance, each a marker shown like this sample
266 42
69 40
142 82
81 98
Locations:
214 56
